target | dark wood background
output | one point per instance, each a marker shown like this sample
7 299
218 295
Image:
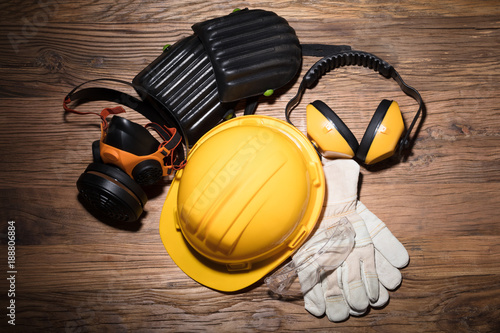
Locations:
77 274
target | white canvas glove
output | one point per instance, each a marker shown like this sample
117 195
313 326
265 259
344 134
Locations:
390 255
355 284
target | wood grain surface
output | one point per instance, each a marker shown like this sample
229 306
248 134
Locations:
78 274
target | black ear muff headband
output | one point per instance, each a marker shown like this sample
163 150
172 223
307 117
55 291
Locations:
357 58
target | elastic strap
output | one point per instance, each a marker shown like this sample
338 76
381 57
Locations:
79 96
103 115
171 141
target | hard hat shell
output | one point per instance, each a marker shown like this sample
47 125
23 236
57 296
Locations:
250 194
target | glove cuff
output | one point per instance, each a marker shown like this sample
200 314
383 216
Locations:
341 187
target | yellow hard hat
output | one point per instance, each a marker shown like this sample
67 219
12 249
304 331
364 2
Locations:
250 194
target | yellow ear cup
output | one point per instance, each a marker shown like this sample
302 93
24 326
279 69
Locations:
329 133
383 133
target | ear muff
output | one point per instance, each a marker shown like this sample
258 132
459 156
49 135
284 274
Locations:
329 133
111 192
386 130
383 133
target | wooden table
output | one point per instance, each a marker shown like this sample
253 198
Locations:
77 274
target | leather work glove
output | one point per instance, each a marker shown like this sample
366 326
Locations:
369 269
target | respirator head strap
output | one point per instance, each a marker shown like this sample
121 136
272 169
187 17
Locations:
80 96
171 141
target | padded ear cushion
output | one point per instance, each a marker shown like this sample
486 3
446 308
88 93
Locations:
338 123
112 192
371 129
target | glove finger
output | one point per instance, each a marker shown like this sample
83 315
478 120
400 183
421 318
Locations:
314 300
388 275
357 313
352 284
382 238
336 306
383 297
369 274
391 248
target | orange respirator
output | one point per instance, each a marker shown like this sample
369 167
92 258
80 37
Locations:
126 157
